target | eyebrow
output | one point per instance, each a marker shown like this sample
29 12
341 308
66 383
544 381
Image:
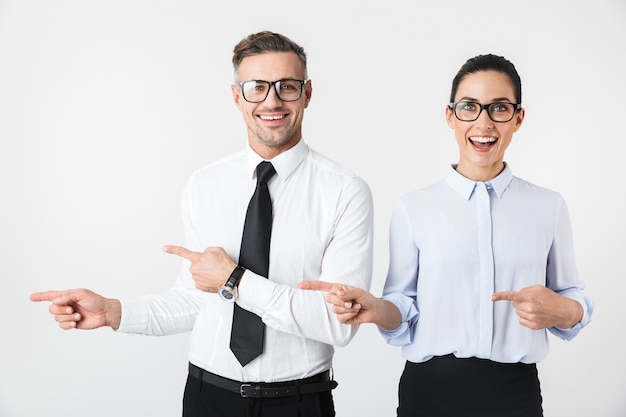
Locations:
495 100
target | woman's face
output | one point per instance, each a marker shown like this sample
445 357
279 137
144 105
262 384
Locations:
482 142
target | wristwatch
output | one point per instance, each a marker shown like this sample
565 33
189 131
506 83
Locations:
228 290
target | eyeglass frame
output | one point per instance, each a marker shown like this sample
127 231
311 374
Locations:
271 84
452 106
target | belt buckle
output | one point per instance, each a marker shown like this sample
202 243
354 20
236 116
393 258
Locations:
249 391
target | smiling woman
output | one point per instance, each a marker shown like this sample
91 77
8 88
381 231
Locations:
484 83
481 267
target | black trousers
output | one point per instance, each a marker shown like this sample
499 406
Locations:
446 386
206 400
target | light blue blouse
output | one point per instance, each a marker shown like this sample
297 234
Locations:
454 243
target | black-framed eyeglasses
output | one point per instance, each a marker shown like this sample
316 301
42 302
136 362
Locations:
468 111
256 91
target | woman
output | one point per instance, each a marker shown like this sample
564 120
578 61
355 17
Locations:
481 268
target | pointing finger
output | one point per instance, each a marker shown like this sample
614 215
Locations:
57 297
44 296
60 298
503 296
180 251
316 286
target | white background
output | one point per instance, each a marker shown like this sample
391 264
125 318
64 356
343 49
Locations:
106 107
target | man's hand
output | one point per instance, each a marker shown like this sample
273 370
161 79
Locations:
81 309
209 269
539 307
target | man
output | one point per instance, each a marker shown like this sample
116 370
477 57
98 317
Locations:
321 229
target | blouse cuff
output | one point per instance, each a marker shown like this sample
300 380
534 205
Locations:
402 335
587 305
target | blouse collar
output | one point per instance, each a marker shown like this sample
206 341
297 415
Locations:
465 187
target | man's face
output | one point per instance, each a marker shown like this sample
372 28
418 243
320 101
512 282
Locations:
273 125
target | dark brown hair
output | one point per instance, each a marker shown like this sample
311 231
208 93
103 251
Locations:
489 62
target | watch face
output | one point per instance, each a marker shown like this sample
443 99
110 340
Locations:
227 294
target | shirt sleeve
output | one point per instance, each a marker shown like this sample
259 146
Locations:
171 312
347 259
401 284
175 310
562 273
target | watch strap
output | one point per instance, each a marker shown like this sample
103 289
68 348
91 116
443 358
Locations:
235 276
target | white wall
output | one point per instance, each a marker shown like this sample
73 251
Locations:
107 107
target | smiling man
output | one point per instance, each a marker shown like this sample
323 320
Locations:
321 218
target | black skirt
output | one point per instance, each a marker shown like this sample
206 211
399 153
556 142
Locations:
446 386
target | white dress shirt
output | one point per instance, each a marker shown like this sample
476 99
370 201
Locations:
322 229
454 243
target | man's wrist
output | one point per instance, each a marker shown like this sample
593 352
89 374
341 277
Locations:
113 315
228 290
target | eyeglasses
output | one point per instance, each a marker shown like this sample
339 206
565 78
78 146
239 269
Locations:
468 111
256 91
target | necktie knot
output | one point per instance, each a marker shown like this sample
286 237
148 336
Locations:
264 171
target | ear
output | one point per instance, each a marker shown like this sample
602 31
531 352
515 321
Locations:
308 92
519 119
237 98
450 117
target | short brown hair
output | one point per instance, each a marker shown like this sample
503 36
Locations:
266 41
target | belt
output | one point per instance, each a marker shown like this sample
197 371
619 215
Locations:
317 383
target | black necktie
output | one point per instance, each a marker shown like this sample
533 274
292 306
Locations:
246 340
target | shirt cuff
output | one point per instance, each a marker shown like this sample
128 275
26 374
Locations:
254 292
134 316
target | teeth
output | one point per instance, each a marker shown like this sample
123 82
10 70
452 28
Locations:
483 139
271 117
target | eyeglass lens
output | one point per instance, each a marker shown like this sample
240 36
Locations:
498 112
256 91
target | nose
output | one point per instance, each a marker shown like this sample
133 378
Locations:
272 99
484 119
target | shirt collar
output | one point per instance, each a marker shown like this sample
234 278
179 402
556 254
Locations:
284 163
465 187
